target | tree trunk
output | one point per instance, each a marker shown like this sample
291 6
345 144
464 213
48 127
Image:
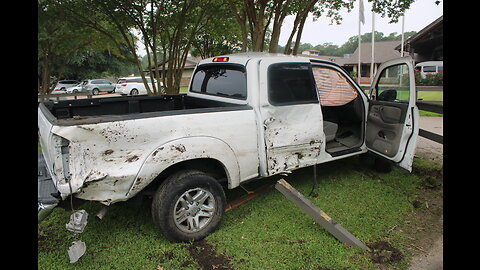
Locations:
299 35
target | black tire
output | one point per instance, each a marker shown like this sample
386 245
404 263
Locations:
134 92
169 206
95 92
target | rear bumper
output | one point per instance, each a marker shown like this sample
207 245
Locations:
47 192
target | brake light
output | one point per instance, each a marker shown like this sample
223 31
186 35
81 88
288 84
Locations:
220 59
88 85
124 84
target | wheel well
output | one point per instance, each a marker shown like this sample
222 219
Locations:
210 166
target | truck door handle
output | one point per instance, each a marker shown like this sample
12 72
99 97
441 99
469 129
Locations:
268 121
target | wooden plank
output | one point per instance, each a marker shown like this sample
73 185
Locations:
318 215
431 136
430 106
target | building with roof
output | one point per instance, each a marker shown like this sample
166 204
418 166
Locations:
384 51
427 44
190 64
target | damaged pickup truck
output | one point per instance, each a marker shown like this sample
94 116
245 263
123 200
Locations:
245 116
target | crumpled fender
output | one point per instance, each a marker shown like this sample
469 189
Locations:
184 149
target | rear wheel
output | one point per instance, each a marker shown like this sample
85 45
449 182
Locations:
95 92
134 92
188 206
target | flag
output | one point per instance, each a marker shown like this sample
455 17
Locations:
361 16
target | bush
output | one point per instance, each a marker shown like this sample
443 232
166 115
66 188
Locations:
435 79
431 79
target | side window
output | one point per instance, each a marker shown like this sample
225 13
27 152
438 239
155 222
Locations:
429 69
291 83
394 84
333 87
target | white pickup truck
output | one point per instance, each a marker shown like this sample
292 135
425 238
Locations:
245 116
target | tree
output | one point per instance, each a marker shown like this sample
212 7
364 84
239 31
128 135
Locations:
60 41
166 27
255 18
221 34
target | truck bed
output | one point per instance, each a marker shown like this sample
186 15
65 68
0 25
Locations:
88 111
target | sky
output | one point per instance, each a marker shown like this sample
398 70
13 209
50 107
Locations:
420 14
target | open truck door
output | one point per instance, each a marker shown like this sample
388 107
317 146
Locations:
393 118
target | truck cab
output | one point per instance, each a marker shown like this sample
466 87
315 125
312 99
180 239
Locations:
311 111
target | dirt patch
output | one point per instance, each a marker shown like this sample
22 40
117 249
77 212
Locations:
132 159
383 252
108 152
207 257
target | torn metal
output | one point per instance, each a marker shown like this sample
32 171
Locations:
76 250
78 221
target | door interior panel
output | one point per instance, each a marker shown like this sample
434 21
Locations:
385 126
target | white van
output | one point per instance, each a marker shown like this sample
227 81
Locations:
429 67
133 86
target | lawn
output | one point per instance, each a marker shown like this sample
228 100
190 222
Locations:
268 232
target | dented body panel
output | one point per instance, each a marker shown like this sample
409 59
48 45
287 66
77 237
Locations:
111 157
112 161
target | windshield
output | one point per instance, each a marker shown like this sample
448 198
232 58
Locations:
221 80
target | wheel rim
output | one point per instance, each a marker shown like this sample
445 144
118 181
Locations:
134 92
194 210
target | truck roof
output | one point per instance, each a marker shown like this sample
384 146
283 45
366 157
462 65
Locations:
242 58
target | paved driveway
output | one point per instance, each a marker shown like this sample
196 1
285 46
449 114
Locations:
426 148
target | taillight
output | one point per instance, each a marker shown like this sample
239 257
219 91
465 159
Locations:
220 59
124 84
88 85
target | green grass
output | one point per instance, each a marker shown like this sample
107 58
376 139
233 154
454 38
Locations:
430 95
268 232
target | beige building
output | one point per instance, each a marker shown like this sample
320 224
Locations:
190 64
384 51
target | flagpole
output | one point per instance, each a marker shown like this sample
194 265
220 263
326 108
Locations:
360 19
403 27
373 47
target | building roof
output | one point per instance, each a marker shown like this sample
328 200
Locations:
190 63
384 51
432 31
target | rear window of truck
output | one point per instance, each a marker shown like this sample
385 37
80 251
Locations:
220 80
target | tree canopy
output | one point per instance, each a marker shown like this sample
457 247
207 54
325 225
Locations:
70 30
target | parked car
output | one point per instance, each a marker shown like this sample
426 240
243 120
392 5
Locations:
245 116
75 89
429 67
61 86
98 85
133 86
